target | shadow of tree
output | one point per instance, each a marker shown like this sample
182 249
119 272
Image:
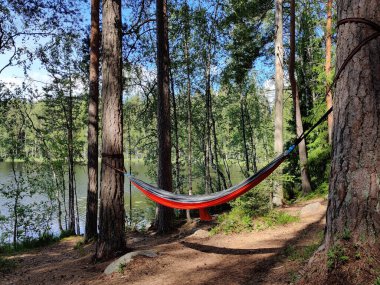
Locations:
225 250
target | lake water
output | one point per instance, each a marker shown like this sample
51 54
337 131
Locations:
140 204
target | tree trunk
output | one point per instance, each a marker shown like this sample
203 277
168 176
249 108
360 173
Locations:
111 241
215 145
354 182
242 123
305 178
328 67
189 117
70 160
165 215
177 155
278 192
93 126
252 141
208 188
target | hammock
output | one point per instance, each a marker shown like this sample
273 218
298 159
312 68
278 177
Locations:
201 202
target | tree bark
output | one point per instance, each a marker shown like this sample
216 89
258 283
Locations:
189 116
354 187
207 136
70 158
93 126
111 241
165 215
177 154
328 68
305 178
278 192
242 123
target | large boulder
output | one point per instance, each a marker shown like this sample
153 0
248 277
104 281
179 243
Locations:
311 209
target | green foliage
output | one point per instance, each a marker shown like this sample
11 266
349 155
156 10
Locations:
336 256
302 253
121 267
29 243
65 233
241 219
237 220
377 281
7 265
275 218
346 235
79 244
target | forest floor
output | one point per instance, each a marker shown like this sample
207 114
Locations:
189 256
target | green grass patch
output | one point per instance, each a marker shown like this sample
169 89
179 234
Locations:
301 254
28 244
336 256
79 244
7 265
275 218
237 220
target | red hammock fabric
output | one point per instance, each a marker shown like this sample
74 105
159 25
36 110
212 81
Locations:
202 202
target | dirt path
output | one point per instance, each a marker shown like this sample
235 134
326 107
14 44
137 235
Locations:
272 256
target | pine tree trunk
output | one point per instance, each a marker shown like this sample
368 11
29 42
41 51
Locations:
215 145
111 240
328 67
278 192
70 160
93 127
177 154
165 216
354 188
242 123
189 119
305 178
208 188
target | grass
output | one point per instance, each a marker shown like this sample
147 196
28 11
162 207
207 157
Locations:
336 256
301 254
275 218
7 265
237 220
30 243
121 267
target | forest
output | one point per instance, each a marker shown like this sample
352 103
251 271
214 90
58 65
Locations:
120 119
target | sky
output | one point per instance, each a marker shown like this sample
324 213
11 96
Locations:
14 75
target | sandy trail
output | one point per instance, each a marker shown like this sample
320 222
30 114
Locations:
247 258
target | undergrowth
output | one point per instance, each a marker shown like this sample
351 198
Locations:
30 243
238 220
336 256
7 265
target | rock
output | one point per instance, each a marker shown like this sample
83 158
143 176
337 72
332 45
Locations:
200 234
311 209
125 259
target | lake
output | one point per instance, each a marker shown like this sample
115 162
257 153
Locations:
140 204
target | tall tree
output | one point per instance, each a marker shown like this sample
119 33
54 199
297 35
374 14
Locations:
352 223
354 182
111 241
278 194
165 215
93 126
328 35
305 178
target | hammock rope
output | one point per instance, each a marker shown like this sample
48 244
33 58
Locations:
202 202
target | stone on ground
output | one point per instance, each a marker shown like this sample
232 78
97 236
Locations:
311 209
125 259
